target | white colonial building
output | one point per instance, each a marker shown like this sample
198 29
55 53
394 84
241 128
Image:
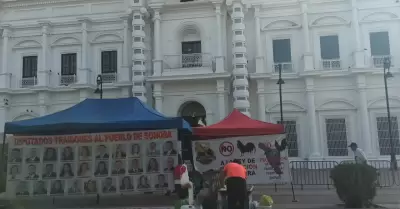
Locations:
206 57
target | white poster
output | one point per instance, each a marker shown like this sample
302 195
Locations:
264 158
89 164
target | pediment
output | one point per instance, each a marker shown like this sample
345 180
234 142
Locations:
107 38
329 20
379 16
287 107
336 105
27 44
394 102
65 41
281 24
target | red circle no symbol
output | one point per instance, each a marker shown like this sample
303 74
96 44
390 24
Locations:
226 149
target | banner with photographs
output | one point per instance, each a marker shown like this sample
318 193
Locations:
98 163
265 159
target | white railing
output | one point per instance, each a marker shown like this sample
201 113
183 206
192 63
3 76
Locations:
66 80
28 82
331 64
109 77
377 61
187 61
287 67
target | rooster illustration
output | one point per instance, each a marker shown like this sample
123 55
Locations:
273 155
249 147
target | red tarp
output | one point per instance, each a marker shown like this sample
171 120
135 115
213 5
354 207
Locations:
238 124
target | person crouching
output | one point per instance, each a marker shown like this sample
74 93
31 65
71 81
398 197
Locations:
235 176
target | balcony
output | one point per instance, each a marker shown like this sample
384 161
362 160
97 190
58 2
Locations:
198 63
66 80
377 60
109 77
331 64
287 67
28 82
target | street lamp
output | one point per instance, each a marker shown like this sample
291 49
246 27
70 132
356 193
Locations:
280 82
99 89
386 75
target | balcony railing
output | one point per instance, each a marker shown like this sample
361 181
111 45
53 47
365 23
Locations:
331 64
109 77
377 61
287 67
66 80
28 82
187 61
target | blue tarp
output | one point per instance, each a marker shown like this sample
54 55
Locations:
98 115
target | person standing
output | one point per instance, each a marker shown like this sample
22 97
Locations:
359 155
235 176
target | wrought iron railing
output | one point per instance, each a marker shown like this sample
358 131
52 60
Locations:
109 77
377 60
331 64
287 67
66 80
195 60
28 82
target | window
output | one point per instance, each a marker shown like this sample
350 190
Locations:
68 64
137 27
191 54
137 51
237 9
29 66
191 47
239 44
379 42
383 135
186 0
137 39
137 17
282 54
239 55
336 136
238 20
329 47
238 32
109 62
291 137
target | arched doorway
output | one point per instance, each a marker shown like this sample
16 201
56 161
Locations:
193 112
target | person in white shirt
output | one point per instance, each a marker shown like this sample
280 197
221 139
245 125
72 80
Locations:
359 154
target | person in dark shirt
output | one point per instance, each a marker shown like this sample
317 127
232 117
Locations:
49 172
161 182
101 169
108 187
33 158
118 168
102 152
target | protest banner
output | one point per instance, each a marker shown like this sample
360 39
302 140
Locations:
264 158
96 163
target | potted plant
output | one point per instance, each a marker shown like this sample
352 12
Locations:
266 202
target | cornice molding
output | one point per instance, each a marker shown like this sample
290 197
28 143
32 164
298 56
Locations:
25 3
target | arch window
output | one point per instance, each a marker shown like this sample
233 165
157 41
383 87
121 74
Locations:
193 112
191 48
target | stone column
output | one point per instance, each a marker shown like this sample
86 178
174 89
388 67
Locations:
44 73
139 58
259 46
358 55
43 100
125 74
219 59
221 99
261 99
308 57
312 120
5 74
157 94
4 104
158 60
240 74
366 140
84 73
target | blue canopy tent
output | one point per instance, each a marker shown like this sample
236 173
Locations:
98 115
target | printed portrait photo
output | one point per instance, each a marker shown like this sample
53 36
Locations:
15 156
102 152
57 187
118 167
120 151
32 155
22 188
161 181
40 188
75 186
169 164
135 150
67 170
32 172
67 154
126 183
90 186
153 149
84 169
169 148
108 185
101 168
143 183
49 171
135 166
85 153
14 172
50 154
152 165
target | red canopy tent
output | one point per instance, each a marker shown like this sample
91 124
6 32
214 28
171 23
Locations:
238 124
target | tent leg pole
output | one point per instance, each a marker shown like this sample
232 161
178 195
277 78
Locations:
293 195
3 158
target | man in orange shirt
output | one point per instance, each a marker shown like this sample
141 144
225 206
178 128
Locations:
235 176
